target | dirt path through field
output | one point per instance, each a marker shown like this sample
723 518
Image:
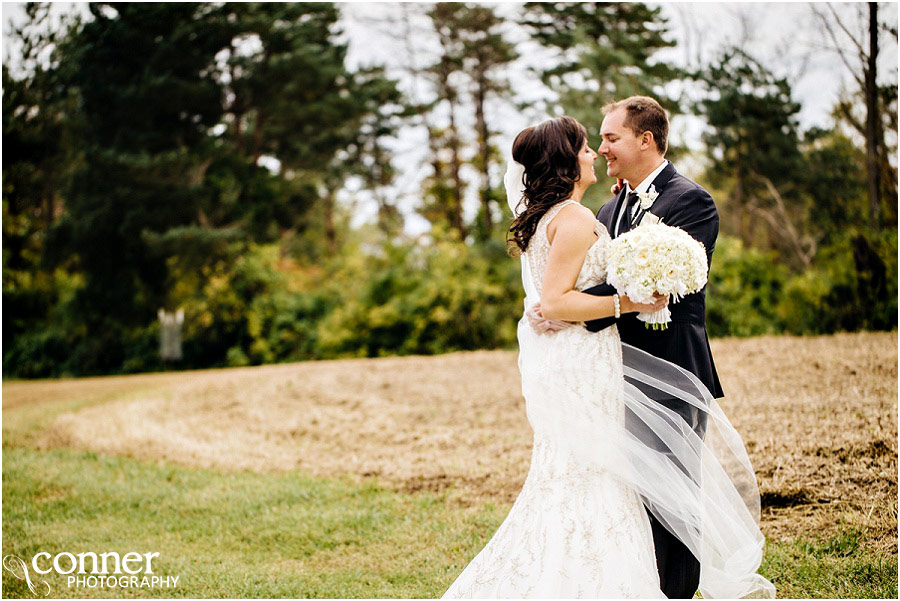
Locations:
819 416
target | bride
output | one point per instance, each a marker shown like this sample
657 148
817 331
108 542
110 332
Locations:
604 448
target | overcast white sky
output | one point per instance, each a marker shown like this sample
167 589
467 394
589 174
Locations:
785 37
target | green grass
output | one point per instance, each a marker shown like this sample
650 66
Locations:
291 535
838 567
236 534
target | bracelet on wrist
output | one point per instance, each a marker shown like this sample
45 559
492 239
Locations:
617 304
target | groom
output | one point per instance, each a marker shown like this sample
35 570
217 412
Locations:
635 138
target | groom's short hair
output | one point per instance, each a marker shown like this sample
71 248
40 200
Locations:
643 113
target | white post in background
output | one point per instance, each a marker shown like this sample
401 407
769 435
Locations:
170 334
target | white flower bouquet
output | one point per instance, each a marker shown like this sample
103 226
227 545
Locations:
656 258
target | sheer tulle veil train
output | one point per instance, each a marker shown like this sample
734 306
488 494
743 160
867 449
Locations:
695 476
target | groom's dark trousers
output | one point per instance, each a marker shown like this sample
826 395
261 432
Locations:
684 204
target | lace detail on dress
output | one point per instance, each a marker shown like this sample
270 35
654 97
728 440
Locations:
593 270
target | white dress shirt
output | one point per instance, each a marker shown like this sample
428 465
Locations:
642 187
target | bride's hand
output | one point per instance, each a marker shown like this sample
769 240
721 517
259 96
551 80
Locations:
617 187
629 306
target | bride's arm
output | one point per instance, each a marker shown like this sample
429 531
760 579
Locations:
571 234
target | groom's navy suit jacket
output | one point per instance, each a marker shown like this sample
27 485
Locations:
684 204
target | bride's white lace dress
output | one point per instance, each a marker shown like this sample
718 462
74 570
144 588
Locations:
575 530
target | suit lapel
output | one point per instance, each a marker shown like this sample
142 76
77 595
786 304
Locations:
663 201
660 181
659 184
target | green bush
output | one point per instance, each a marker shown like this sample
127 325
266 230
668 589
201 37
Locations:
39 354
851 287
258 308
425 299
374 298
745 286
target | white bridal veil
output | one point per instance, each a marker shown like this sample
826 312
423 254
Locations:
676 448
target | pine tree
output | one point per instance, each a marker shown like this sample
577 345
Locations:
486 53
754 142
604 52
178 104
447 187
36 166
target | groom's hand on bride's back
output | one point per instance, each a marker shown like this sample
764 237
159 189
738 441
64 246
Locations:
541 325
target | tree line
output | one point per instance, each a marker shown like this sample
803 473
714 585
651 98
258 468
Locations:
194 155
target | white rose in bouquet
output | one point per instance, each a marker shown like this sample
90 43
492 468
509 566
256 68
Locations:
656 258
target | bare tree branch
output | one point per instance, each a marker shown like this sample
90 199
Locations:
859 48
837 45
845 109
786 226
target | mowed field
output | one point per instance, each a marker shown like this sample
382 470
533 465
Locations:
818 416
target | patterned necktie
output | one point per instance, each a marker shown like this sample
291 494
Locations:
627 217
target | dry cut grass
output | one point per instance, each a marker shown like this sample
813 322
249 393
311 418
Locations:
818 415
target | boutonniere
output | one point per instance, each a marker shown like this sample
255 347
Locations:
647 198
650 218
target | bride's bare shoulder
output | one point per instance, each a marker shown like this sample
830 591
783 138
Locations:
572 218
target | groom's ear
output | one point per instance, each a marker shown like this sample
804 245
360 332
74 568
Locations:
647 142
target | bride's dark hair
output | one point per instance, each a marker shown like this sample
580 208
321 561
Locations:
549 153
